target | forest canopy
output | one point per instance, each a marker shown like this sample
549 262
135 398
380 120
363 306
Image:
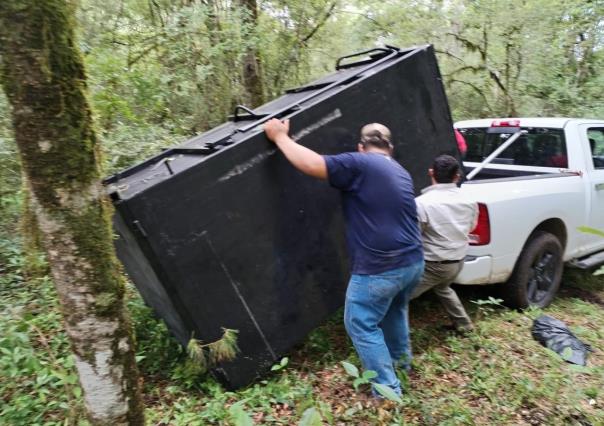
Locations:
162 70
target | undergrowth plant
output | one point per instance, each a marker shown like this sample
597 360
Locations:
365 378
281 365
486 306
204 355
311 417
38 381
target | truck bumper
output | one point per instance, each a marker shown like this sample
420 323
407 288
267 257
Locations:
476 270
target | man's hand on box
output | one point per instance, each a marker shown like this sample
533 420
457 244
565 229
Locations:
274 128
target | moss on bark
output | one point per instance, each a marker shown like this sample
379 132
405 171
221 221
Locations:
43 76
35 265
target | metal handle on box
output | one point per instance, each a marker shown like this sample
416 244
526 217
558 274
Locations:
392 52
365 52
251 112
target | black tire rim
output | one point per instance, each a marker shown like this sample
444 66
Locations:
541 277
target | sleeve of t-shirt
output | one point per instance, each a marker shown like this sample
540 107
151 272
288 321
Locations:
342 170
422 216
475 217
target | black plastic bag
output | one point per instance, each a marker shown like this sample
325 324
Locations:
555 335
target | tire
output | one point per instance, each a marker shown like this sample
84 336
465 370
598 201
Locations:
537 273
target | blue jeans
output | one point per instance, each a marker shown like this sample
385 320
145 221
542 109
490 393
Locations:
377 321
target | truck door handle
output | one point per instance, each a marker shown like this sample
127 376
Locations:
600 186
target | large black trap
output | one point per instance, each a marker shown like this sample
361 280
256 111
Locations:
222 232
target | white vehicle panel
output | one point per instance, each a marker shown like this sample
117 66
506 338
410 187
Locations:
517 206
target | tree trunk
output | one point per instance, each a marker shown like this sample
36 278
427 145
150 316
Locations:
34 265
252 69
43 76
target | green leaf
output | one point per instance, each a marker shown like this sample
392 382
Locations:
77 392
387 392
311 417
357 382
369 374
590 230
239 416
282 364
351 369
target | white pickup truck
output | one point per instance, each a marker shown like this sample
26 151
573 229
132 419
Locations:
537 180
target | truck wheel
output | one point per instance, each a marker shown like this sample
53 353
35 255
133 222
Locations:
537 274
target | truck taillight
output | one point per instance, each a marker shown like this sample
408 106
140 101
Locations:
481 235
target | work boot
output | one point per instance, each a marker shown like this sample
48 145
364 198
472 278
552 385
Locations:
464 329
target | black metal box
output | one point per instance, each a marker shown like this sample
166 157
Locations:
222 231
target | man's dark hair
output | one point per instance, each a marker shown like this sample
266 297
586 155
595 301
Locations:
445 168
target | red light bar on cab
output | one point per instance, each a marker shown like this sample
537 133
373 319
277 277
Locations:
505 123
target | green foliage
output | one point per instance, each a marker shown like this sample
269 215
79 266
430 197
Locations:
282 364
238 415
359 379
387 392
487 306
311 417
10 171
365 378
157 352
499 365
589 230
224 349
350 369
503 58
204 355
39 383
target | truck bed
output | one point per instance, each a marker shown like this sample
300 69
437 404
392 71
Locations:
490 174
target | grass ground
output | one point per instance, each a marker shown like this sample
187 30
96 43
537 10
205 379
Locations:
497 375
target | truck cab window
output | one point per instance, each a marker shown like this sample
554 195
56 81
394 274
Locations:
539 147
596 145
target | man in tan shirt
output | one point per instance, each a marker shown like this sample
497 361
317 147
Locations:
446 218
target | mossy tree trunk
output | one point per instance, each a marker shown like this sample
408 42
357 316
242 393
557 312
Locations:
34 264
43 76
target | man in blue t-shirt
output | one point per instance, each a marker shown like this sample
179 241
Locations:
384 242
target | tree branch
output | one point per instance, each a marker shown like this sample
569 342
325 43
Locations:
449 54
304 41
321 22
474 88
470 45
